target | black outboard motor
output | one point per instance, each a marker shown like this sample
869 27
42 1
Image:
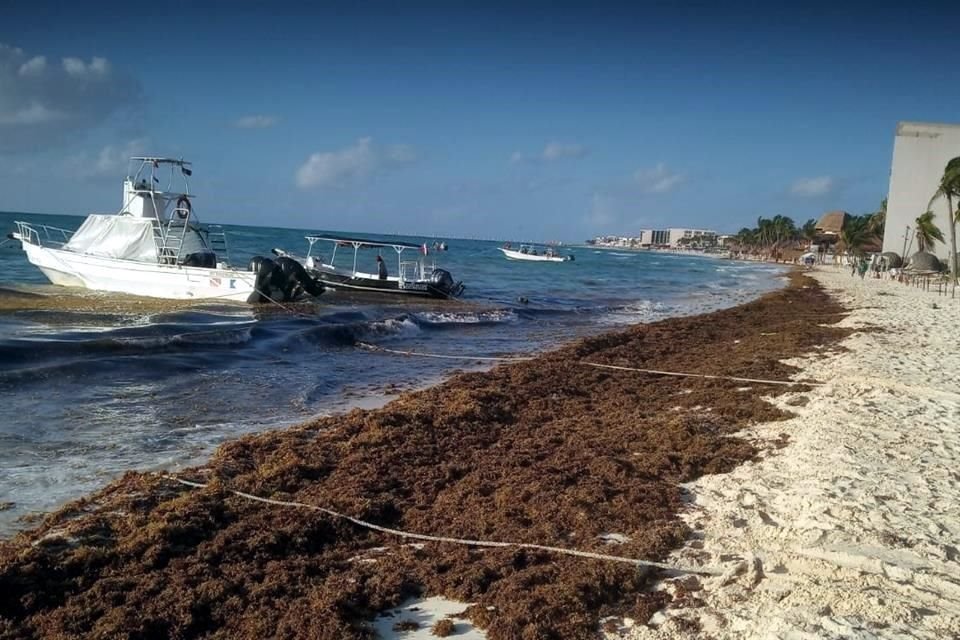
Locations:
296 280
283 280
263 268
442 281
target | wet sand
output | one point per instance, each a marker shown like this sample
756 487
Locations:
547 451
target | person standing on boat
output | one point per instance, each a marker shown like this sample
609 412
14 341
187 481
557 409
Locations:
381 268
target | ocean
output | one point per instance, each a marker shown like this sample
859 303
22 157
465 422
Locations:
92 384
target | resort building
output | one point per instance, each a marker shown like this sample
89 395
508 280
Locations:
920 153
672 238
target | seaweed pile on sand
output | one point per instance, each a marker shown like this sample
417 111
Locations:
547 451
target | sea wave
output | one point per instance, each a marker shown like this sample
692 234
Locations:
634 312
452 319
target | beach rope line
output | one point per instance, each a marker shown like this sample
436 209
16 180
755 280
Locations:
709 571
680 374
420 354
788 383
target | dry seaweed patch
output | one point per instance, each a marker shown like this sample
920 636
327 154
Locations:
443 628
546 451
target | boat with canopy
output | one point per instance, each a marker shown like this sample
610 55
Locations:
155 246
406 269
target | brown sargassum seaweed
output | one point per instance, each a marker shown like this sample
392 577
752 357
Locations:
546 451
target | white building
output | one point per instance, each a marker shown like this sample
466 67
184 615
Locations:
920 153
671 237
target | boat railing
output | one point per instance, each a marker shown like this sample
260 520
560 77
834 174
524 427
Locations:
169 237
42 235
413 270
217 238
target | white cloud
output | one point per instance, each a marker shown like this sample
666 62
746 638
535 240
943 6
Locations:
43 103
558 150
36 113
603 211
358 161
813 187
659 179
109 162
78 68
34 66
256 122
553 151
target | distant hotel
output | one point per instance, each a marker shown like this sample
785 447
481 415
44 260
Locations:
672 238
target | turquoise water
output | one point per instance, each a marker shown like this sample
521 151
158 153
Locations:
90 394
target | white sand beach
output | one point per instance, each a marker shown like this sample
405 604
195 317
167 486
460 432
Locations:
852 529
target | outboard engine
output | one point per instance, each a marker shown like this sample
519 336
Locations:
263 268
283 280
442 281
296 279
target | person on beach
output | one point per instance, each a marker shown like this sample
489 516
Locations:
381 268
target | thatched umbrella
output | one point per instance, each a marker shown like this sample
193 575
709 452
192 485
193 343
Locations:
924 261
893 259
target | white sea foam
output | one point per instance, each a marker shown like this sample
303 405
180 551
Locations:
467 317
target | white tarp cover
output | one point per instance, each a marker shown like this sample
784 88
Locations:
121 237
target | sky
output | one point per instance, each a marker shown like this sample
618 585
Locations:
520 120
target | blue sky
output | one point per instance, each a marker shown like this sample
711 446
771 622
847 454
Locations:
511 120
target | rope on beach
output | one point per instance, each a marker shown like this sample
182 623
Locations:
679 374
461 541
269 299
788 383
420 354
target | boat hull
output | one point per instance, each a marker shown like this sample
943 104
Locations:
176 282
392 286
529 257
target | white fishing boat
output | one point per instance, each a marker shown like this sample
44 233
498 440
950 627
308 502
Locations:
155 246
530 253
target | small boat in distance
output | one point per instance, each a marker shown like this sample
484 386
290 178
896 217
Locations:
154 246
414 276
529 253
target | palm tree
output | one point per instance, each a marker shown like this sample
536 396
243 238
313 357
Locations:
949 188
878 219
927 231
763 231
809 230
855 234
745 238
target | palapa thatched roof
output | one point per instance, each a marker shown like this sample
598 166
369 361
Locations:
894 261
831 223
924 261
